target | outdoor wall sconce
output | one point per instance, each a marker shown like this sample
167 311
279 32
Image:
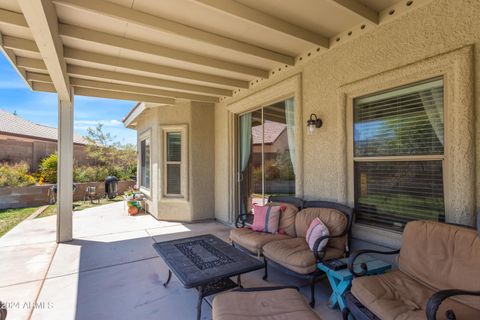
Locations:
313 123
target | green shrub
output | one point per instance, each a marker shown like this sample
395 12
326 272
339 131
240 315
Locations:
48 168
15 175
90 174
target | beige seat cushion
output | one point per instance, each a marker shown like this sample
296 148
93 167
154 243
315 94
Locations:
449 257
395 295
294 254
335 221
287 218
252 240
284 304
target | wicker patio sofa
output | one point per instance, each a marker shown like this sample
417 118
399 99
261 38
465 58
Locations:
438 274
290 252
253 241
282 303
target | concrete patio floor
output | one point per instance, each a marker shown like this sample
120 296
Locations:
110 270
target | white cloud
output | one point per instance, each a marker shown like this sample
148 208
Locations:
83 124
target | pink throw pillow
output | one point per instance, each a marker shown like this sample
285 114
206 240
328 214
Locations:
266 218
316 230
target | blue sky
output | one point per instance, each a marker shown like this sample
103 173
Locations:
41 107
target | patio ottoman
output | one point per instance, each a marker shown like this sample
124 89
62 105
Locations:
262 304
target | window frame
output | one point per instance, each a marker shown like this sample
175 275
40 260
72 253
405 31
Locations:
456 67
184 179
147 135
403 157
352 159
239 179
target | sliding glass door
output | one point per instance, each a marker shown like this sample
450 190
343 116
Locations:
266 154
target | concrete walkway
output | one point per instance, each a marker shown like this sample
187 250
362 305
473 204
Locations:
109 271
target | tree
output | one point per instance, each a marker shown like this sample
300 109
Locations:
48 168
104 150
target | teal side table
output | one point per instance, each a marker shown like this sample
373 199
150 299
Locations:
341 280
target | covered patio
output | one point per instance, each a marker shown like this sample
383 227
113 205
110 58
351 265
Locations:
152 52
358 116
110 270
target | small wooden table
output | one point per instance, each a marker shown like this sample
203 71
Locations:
205 263
341 280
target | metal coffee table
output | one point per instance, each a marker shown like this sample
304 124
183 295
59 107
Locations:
205 263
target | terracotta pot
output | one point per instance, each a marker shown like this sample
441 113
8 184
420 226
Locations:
132 210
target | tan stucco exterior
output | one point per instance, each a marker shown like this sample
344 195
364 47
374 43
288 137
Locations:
440 38
196 120
433 30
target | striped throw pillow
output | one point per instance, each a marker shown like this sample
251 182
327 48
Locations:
266 218
316 230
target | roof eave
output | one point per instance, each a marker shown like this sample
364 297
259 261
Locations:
136 111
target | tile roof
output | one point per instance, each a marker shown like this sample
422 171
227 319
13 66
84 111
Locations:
12 124
271 132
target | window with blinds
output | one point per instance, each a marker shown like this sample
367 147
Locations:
173 163
398 155
145 163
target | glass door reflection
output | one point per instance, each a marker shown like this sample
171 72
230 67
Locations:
266 154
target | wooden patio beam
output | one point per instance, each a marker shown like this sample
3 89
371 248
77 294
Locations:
20 44
258 17
13 18
42 20
73 56
38 64
74 32
140 18
30 63
85 72
109 94
90 92
38 77
76 82
12 59
358 9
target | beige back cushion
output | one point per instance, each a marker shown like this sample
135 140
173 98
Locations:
442 256
335 221
287 218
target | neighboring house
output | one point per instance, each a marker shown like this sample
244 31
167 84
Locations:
23 140
275 139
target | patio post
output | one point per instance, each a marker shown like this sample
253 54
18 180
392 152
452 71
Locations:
65 170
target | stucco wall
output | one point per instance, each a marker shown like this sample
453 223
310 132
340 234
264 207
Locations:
198 119
431 30
222 182
202 142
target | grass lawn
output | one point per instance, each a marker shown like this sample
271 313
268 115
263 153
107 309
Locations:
78 206
9 218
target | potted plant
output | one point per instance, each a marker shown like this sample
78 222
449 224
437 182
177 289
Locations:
134 198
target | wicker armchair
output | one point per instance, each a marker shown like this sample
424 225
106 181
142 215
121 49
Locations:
437 277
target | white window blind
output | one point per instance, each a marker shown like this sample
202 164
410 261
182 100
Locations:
398 155
173 162
145 163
